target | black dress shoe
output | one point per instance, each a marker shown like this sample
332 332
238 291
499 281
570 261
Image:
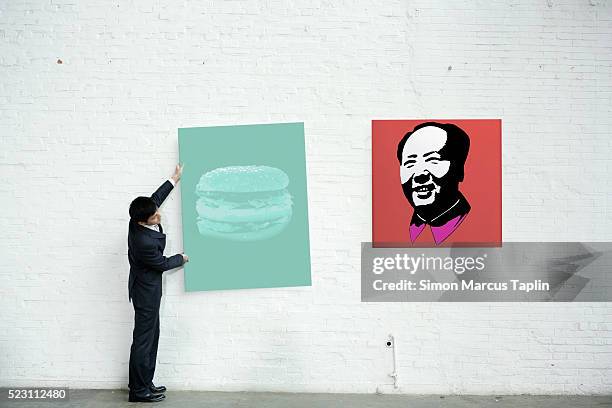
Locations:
148 397
157 390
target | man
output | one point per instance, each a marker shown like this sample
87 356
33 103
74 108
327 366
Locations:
431 159
146 243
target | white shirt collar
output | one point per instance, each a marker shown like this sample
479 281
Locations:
152 227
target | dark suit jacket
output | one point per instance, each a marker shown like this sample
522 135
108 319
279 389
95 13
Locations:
146 256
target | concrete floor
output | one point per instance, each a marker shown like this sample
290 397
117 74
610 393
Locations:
185 399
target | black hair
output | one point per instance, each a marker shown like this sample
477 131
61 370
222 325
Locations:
142 208
456 147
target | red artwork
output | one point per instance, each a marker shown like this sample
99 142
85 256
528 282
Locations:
436 183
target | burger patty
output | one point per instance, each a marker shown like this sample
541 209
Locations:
245 200
239 226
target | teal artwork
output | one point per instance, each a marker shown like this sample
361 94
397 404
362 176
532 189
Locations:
245 207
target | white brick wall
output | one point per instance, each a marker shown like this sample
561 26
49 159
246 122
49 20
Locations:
82 138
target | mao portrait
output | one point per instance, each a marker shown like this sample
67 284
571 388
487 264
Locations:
436 183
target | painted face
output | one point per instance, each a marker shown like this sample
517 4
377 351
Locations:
423 171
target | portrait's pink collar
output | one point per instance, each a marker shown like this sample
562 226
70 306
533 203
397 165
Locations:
439 233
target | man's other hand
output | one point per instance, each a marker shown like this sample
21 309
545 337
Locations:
178 171
185 259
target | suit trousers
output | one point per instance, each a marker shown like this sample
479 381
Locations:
145 339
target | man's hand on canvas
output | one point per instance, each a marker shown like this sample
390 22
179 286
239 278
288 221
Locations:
178 171
185 259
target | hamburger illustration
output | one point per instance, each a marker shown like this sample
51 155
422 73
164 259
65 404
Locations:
243 203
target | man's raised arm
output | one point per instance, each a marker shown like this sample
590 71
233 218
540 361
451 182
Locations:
162 192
